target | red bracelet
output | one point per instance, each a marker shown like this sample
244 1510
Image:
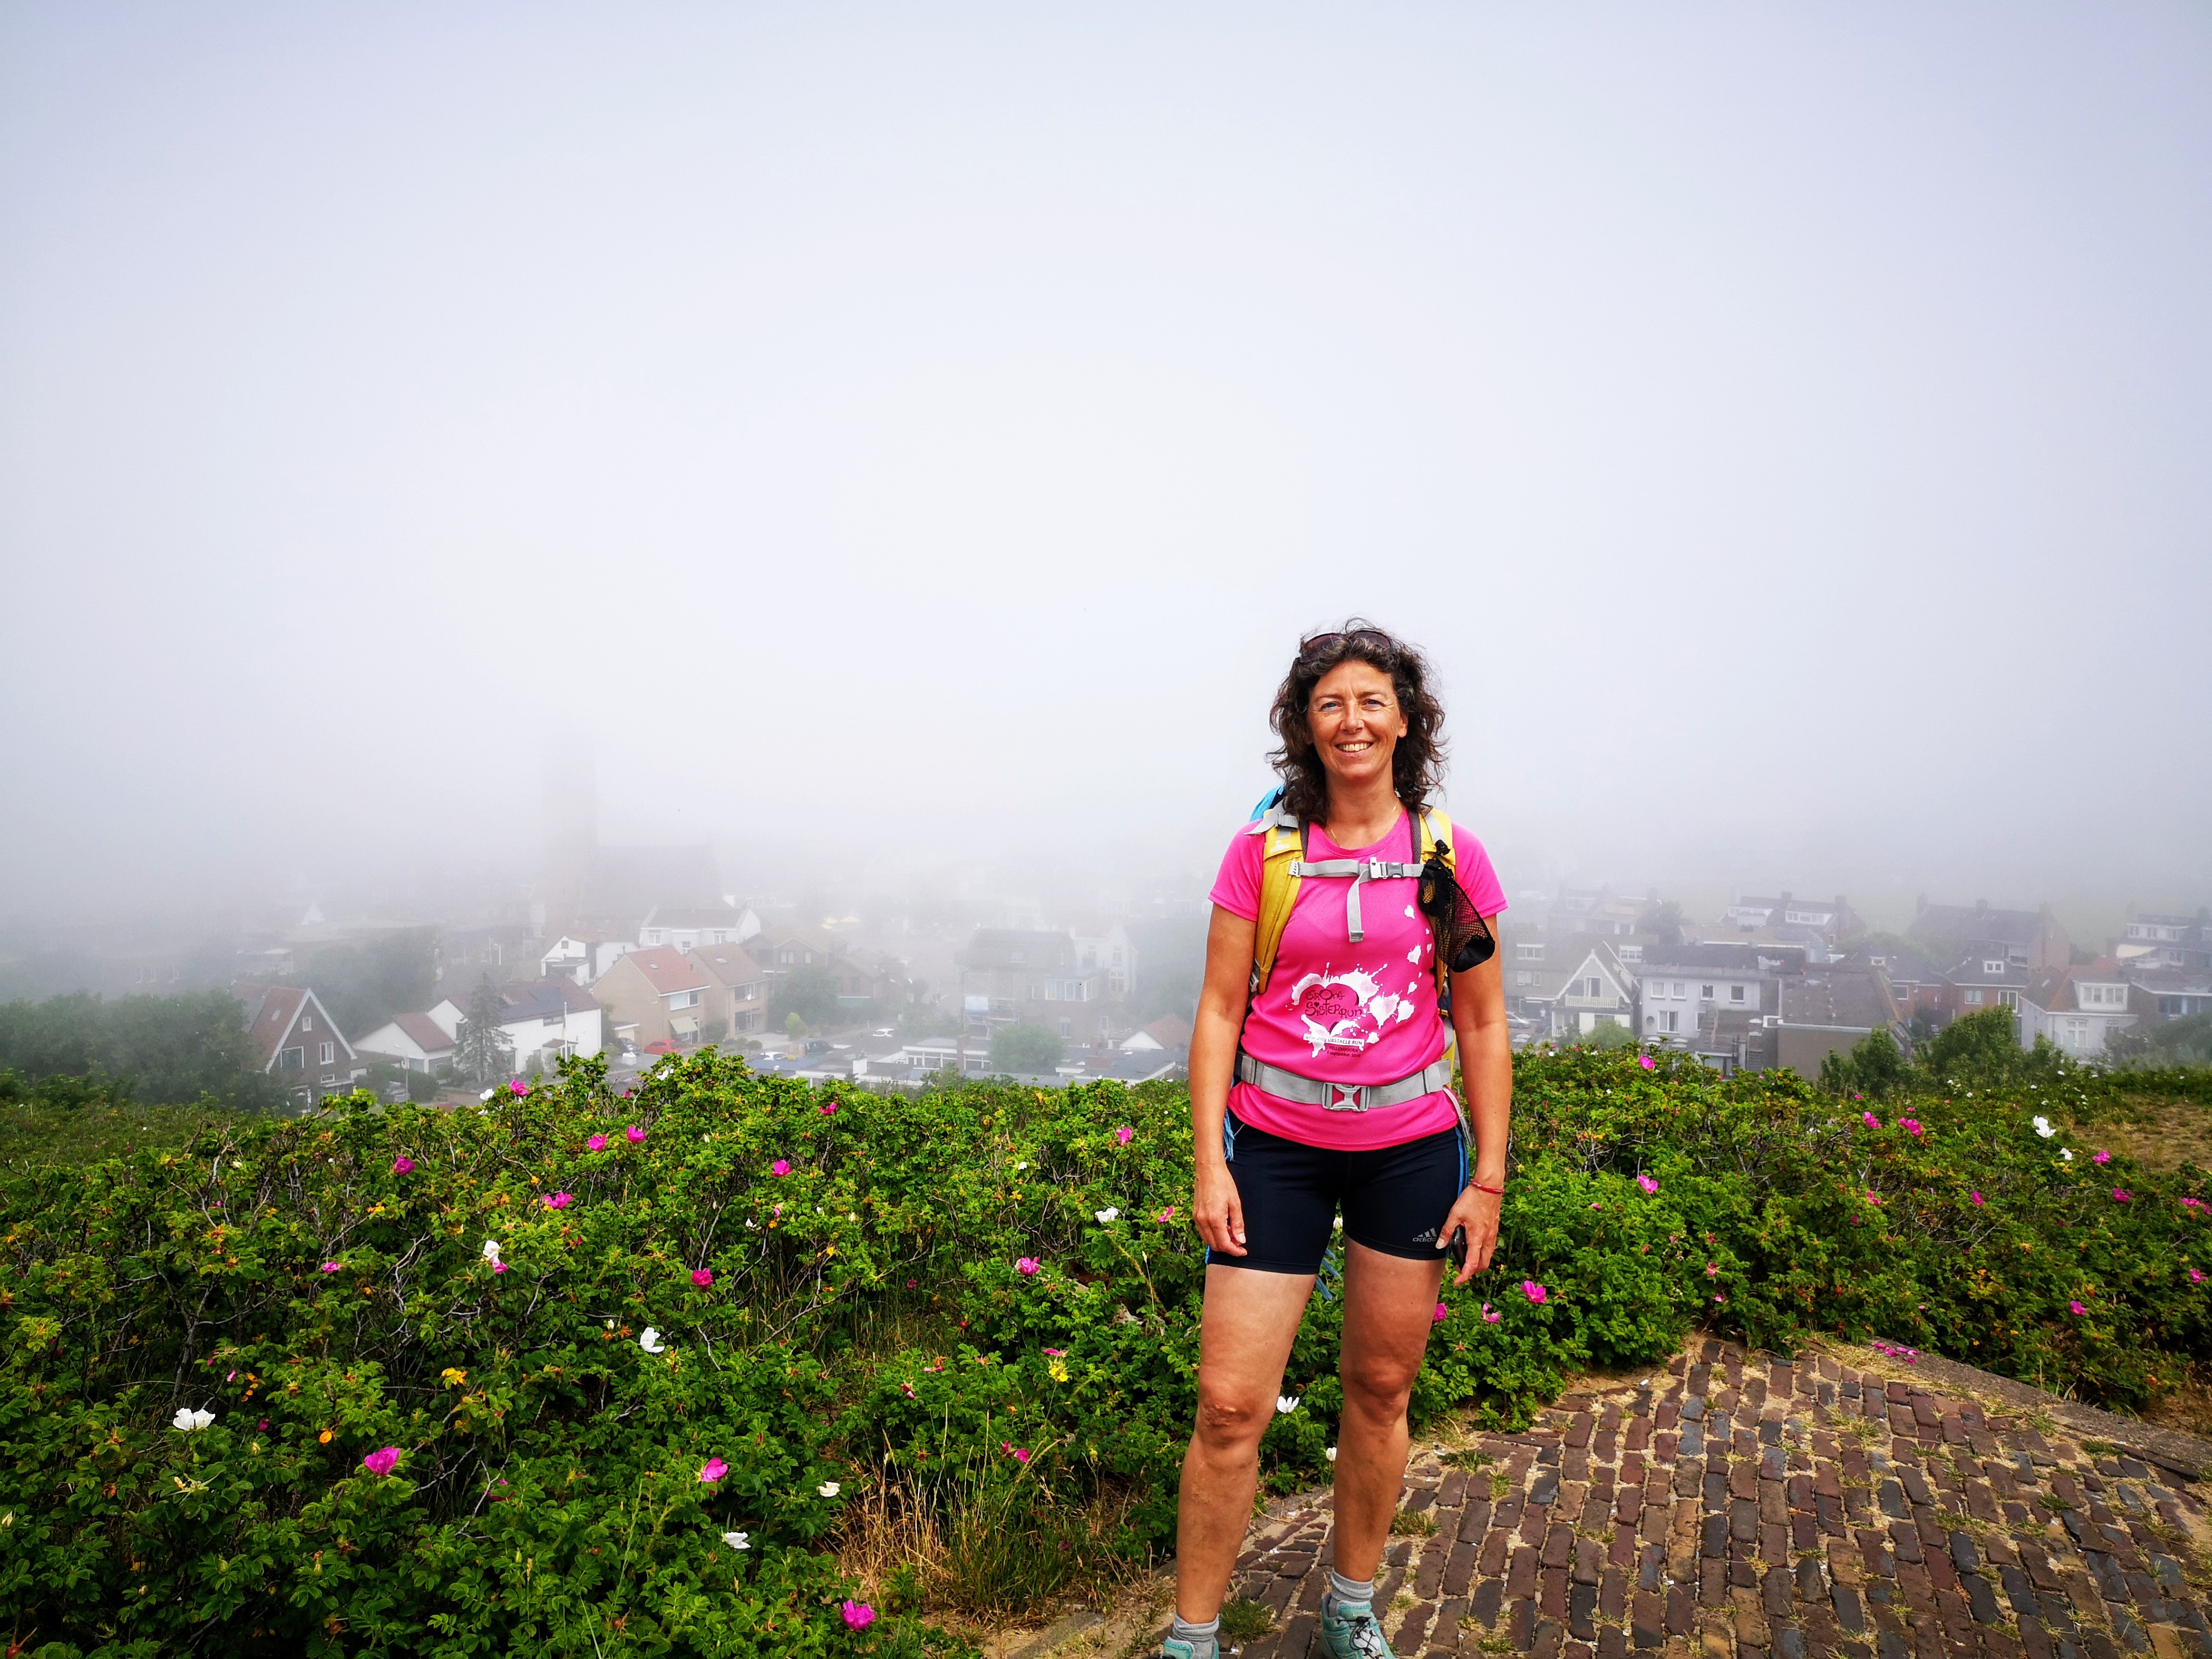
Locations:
1479 1188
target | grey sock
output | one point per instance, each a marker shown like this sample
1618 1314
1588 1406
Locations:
1349 1592
1204 1639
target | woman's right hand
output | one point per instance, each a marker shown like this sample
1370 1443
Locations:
1217 1209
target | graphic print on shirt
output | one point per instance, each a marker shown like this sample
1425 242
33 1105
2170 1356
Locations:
1349 1013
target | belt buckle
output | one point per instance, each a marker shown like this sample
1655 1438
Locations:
1346 1097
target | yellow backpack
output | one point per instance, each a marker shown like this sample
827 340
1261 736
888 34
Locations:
1285 866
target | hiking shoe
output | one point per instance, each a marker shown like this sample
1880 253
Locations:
1171 1648
1351 1633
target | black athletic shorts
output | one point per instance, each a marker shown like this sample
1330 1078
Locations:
1394 1198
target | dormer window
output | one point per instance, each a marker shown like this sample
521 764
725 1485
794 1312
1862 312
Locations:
1993 969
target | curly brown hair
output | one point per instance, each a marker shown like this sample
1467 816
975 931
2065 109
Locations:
1417 763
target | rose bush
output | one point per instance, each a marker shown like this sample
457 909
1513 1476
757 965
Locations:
754 1318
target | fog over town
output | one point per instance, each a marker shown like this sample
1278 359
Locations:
884 458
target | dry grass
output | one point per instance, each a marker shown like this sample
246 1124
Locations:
2159 1135
981 1560
2187 1409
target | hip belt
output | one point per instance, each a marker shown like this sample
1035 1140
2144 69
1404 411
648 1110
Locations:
1343 1097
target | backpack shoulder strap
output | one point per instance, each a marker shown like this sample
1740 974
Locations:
1435 836
1281 850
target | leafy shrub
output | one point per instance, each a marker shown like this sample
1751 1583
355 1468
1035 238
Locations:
1025 1047
974 1310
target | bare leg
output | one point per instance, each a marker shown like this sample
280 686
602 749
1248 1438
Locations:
1389 1303
1251 1319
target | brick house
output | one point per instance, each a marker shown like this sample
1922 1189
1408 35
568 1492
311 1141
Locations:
656 995
737 991
297 1042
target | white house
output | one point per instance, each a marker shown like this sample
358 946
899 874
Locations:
1589 987
683 927
581 960
543 1019
1685 989
414 1041
2078 1009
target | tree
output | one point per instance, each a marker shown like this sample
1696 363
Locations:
1665 920
1025 1047
156 1050
483 1052
1980 1048
1875 1066
809 991
1609 1034
363 985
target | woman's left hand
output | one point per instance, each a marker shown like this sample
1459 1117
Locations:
1477 1212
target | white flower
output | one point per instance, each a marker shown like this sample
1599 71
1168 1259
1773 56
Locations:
2043 1128
1019 1168
1332 1454
828 1489
2066 1152
1108 1214
610 1324
486 1095
491 1251
737 1540
189 1421
651 1342
1286 1403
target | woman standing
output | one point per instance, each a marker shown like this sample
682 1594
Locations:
1320 1081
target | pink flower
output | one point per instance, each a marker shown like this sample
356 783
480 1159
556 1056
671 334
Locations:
781 1167
498 1266
911 1283
597 1144
1909 1125
329 1266
262 1425
1167 1214
2121 1196
382 1461
1442 1313
712 1470
829 1109
633 1134
2076 1308
1870 1120
1534 1291
559 1200
518 1086
1125 1135
2195 1277
2192 1204
859 1616
1017 1453
1977 1198
702 1277
2101 1157
1027 1265
1057 1353
1646 1061
1720 1299
1712 1270
1647 1184
1490 1315
403 1165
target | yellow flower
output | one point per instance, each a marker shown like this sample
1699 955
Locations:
325 1436
453 1377
1058 1370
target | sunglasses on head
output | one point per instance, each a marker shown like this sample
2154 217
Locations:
1369 636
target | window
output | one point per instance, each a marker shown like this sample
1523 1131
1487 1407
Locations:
1973 999
1680 989
787 955
1068 1028
330 1052
683 999
293 1060
1522 976
1994 969
2010 999
1529 953
1631 953
1704 992
1735 993
2077 1033
1671 1020
307 1022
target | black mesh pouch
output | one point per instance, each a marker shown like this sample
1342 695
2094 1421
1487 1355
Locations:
1463 938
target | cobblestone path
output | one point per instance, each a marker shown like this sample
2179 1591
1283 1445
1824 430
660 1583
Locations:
1737 1506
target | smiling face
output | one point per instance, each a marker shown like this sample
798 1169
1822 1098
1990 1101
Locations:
1355 720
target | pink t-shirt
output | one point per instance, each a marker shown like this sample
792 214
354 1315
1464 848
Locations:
1347 1012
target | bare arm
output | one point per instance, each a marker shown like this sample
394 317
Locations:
1485 1065
1214 1207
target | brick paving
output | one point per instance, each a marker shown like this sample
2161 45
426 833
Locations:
1739 1506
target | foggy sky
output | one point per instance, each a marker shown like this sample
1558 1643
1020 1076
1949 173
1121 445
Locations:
881 437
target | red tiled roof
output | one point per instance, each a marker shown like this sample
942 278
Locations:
424 1032
666 969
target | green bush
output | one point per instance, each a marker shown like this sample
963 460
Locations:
973 1311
